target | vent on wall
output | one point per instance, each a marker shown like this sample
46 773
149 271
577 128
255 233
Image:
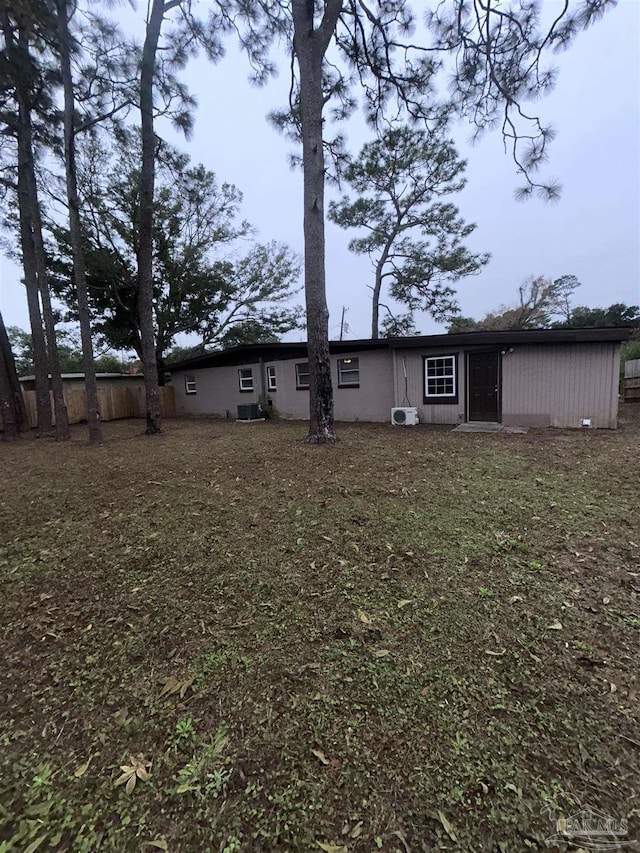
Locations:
404 416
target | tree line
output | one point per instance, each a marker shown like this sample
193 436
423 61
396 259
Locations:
545 303
69 80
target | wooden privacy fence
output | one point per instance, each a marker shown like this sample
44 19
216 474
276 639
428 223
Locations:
113 402
631 380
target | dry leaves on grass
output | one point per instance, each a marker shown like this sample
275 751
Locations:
82 768
137 769
173 685
362 616
320 756
448 828
157 844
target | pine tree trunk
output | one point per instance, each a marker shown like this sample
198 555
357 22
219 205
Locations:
59 405
310 45
31 225
27 247
40 356
375 305
75 230
377 288
6 355
145 219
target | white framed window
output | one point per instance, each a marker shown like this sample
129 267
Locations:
348 373
302 375
190 383
245 379
272 384
441 379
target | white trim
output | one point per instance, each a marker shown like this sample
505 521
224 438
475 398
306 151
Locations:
453 376
190 386
272 380
242 379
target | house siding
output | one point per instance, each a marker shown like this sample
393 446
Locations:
413 393
542 384
559 384
218 389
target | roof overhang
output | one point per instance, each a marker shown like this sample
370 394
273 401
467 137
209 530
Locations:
253 353
527 336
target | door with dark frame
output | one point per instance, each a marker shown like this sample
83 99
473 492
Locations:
483 382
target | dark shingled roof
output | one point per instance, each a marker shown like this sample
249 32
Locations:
252 353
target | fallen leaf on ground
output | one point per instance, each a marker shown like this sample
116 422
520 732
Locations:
404 602
82 768
357 830
555 626
447 826
381 653
121 716
362 616
332 848
138 769
496 654
174 685
320 756
158 843
34 846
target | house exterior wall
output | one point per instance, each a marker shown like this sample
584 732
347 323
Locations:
559 384
217 389
542 384
412 360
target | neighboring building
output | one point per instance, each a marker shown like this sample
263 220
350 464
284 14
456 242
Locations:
120 395
73 381
550 377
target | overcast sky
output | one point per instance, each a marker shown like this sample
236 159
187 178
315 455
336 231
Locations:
593 232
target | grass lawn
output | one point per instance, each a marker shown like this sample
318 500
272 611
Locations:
414 640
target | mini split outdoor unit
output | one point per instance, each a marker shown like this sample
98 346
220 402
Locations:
405 416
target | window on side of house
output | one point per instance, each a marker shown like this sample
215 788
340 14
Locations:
348 373
441 379
302 375
245 378
190 383
272 384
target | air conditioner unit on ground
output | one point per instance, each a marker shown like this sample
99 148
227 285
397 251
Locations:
249 412
404 416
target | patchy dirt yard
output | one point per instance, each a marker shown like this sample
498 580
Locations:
224 640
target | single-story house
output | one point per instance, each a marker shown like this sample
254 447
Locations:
537 378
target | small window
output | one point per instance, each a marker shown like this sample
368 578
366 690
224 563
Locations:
302 375
190 383
440 379
245 376
272 385
348 373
